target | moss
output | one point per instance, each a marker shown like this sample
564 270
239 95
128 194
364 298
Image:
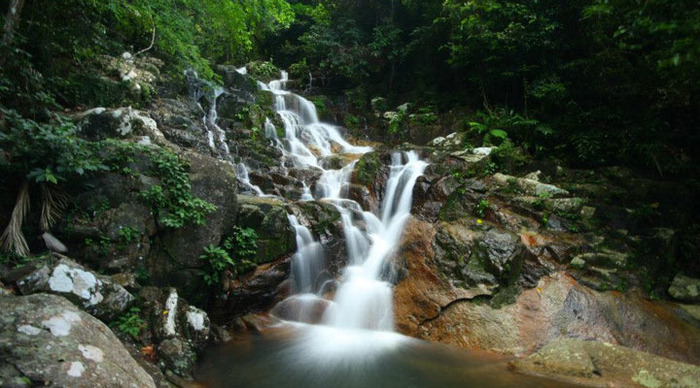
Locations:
367 168
506 295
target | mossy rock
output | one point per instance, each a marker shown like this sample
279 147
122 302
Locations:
268 217
367 168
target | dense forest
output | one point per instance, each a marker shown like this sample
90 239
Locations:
510 176
591 82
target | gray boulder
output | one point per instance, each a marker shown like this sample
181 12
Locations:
685 288
94 293
45 340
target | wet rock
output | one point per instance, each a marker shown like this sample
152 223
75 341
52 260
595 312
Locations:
96 294
259 322
255 291
604 259
564 205
453 246
599 363
301 308
685 288
558 307
48 341
498 250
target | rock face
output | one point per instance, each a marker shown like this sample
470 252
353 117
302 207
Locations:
268 217
174 257
433 303
598 363
45 340
96 294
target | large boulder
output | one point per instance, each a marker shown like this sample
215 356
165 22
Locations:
268 217
100 123
94 293
174 256
47 341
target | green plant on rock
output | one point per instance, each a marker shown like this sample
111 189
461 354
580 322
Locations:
264 70
352 121
128 234
235 255
172 199
481 207
367 168
217 261
243 244
130 323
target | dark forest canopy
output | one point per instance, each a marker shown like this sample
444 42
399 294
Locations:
593 82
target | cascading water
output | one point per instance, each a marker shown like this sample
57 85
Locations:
363 299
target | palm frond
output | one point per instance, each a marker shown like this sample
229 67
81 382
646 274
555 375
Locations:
53 203
12 239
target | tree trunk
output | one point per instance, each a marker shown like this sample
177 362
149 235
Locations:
11 21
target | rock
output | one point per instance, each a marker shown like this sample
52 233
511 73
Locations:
48 341
177 356
180 331
174 254
301 308
96 294
268 217
558 307
181 123
229 105
235 80
453 246
604 259
258 323
685 288
564 205
530 187
100 123
600 363
498 250
171 316
255 291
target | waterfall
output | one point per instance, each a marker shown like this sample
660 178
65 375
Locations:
363 299
242 175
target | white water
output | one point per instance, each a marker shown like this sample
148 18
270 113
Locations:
363 300
243 177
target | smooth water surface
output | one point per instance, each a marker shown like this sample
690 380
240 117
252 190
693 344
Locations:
310 356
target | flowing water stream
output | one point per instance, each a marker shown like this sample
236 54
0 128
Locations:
354 344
